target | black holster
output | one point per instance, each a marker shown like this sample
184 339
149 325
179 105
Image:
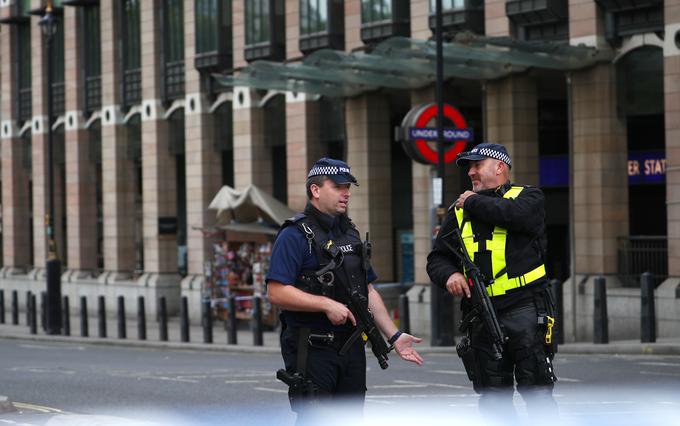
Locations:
467 355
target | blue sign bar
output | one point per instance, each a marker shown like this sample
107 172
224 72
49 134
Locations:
644 168
451 134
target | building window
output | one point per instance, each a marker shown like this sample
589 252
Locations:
381 19
628 17
131 52
92 58
546 20
459 15
58 95
321 25
95 136
25 105
264 30
213 36
173 49
224 141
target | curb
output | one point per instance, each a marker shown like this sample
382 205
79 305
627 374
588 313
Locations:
615 348
6 405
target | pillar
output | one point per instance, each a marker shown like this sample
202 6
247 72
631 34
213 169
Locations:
81 207
15 168
512 120
368 155
118 172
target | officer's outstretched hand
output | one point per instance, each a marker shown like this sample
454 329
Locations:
404 347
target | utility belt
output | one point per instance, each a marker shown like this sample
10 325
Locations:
320 339
547 315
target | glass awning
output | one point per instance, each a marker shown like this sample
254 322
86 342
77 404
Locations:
404 63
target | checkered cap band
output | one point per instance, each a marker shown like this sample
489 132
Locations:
328 171
492 153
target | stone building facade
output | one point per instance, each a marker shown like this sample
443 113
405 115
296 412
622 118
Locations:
144 136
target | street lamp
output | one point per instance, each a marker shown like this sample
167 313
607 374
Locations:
441 303
48 26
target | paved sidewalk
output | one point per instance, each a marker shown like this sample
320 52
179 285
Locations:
270 339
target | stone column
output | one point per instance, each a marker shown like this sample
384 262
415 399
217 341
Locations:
252 158
420 19
368 154
512 120
16 243
39 151
80 169
672 120
203 163
600 178
118 171
496 21
352 24
303 146
158 165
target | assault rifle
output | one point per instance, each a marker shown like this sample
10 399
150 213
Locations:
481 302
358 305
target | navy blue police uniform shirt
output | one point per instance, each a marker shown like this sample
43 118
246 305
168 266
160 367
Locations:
290 256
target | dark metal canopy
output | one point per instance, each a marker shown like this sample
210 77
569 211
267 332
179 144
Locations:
404 63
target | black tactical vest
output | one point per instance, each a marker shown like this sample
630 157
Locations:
330 283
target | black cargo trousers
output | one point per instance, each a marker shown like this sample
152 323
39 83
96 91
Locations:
340 379
526 359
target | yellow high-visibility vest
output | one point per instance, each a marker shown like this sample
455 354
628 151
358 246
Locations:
496 245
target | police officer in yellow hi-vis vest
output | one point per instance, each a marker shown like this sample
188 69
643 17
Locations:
502 226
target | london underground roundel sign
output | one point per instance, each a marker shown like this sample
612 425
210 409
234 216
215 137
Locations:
416 136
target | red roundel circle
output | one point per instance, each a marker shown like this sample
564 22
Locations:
421 145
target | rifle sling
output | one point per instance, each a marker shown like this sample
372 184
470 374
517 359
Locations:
303 348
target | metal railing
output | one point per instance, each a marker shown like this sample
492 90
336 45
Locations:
174 80
132 87
25 104
58 98
93 93
637 254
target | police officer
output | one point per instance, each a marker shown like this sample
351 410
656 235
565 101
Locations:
503 229
316 322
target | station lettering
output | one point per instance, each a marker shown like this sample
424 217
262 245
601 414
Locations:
650 167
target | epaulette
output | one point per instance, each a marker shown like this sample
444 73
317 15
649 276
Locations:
294 219
290 221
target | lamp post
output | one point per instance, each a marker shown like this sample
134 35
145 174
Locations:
48 26
441 303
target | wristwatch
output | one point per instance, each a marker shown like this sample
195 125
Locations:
394 337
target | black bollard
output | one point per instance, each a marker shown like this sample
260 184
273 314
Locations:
600 318
32 314
231 323
122 327
647 309
2 306
404 314
141 319
66 317
206 314
256 323
28 306
43 310
102 316
162 320
558 297
15 307
184 319
84 324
